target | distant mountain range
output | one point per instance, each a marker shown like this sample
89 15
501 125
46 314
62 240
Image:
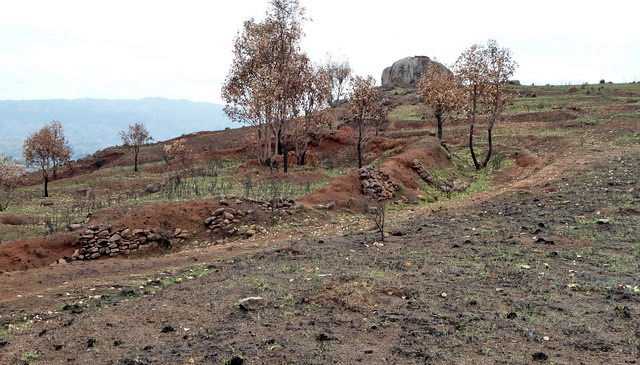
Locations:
93 124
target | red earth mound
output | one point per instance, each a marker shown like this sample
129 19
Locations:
345 191
37 252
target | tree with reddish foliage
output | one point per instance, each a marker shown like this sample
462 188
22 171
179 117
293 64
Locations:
10 175
47 149
177 151
366 110
500 68
484 71
265 79
313 103
134 138
443 93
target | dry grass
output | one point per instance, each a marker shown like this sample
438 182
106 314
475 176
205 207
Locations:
16 220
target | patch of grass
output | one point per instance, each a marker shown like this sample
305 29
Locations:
30 357
4 333
407 113
628 139
588 120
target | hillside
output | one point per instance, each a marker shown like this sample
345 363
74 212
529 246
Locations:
93 124
221 261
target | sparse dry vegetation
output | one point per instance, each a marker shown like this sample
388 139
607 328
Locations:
267 244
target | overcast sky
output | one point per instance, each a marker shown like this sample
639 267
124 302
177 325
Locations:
182 49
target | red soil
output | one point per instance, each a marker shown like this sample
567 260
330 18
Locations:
37 252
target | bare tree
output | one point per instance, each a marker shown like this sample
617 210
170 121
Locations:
366 109
339 77
443 93
10 175
484 71
135 137
177 151
47 149
471 69
312 102
378 212
500 68
265 77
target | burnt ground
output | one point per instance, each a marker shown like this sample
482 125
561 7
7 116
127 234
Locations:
539 273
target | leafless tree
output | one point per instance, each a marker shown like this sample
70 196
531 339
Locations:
10 175
134 138
500 68
471 69
443 93
378 212
484 71
366 110
47 149
339 77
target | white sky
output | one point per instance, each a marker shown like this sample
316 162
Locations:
182 49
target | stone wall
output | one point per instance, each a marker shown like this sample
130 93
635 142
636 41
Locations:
104 241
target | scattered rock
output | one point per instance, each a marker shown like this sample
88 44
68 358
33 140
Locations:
153 188
236 360
323 337
543 241
251 303
91 342
540 356
167 329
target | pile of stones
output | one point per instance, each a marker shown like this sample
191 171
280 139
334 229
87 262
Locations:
225 221
103 241
376 184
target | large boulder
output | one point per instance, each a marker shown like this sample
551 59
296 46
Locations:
407 71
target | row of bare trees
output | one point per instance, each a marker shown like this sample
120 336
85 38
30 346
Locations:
477 87
47 150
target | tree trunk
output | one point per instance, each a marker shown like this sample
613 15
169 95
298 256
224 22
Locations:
135 159
302 158
46 185
439 120
359 145
285 157
490 142
471 127
280 148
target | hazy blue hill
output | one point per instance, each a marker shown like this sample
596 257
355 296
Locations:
92 124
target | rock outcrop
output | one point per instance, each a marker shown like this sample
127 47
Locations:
376 184
407 71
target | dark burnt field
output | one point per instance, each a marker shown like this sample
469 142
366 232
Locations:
546 273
